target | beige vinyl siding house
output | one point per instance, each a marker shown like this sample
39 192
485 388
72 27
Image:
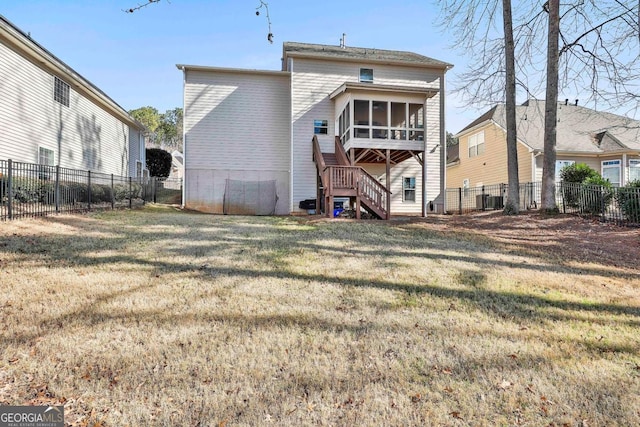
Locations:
490 165
236 127
608 143
313 80
307 101
52 114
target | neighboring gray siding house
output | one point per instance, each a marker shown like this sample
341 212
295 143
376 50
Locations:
373 115
52 115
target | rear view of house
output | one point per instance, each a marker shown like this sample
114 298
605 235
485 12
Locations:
365 125
51 115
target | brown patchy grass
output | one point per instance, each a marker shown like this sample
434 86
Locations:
160 317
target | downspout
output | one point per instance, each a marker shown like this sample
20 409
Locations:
184 138
291 169
424 162
443 143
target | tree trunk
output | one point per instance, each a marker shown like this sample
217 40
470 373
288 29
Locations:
512 207
551 110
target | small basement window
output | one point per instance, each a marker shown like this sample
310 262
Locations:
321 127
408 189
60 91
366 75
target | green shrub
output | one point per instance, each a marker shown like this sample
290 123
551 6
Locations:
577 172
628 200
596 195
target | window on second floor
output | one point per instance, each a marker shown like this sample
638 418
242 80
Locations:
61 91
476 144
321 127
366 75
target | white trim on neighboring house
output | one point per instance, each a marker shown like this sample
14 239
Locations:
636 166
625 170
611 165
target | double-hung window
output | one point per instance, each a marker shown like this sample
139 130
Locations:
476 144
408 189
320 127
61 91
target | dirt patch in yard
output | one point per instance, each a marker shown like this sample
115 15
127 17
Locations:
562 237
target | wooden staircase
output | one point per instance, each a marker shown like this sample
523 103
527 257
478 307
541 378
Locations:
338 179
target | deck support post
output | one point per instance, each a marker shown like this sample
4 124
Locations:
388 183
424 181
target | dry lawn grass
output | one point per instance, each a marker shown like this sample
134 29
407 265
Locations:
159 317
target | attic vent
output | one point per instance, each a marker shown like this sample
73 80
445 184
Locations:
343 41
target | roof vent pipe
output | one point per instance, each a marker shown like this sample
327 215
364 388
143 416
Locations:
576 102
566 101
343 41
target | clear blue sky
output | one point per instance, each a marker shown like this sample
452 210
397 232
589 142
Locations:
132 57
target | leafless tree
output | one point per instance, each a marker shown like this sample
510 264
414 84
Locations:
490 47
597 59
263 5
512 206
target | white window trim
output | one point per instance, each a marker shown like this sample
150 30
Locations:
418 129
361 80
414 189
634 164
65 88
324 124
561 164
474 142
53 152
612 164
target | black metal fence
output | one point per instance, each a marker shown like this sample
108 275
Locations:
29 190
490 197
619 205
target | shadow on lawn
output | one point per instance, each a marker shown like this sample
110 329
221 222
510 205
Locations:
273 239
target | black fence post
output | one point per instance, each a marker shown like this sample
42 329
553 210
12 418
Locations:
10 189
484 204
460 200
113 196
154 189
130 194
88 190
56 193
564 206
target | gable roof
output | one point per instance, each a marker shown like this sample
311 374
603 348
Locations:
22 43
359 54
578 130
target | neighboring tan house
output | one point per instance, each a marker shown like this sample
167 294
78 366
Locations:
607 142
52 115
336 122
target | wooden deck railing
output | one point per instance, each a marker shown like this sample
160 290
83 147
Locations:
351 181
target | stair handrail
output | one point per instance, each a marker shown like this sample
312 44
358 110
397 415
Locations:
341 154
319 159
